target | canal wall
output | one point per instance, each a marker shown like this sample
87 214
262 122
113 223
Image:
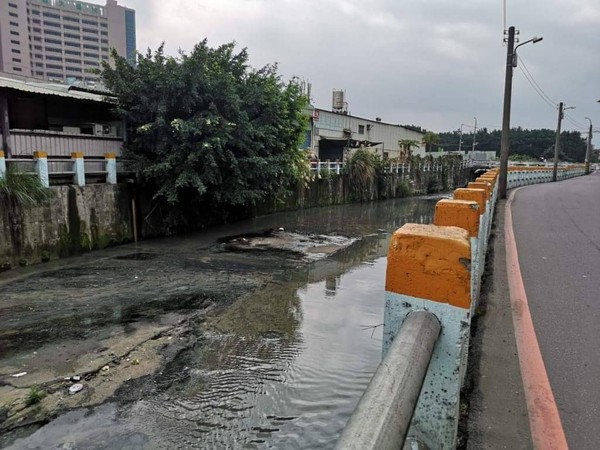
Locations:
79 219
75 220
329 189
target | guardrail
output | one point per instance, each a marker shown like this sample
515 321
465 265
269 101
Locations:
76 169
435 269
393 167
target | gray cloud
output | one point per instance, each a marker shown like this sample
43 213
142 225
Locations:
434 63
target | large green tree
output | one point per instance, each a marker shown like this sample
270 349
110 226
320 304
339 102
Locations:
205 130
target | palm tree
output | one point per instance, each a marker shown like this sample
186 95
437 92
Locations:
430 139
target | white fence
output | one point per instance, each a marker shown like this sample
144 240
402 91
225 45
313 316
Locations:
26 142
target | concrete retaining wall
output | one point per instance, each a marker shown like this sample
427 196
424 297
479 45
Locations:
77 219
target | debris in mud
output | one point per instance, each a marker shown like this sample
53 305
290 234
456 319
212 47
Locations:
19 375
74 389
309 246
76 378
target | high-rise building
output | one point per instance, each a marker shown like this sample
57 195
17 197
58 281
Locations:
63 40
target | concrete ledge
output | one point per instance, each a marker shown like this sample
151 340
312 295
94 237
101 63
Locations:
458 213
476 195
432 263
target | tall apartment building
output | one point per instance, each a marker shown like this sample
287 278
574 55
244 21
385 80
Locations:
61 40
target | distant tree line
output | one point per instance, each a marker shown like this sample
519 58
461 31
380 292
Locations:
532 144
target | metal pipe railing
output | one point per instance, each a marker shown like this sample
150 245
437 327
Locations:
383 414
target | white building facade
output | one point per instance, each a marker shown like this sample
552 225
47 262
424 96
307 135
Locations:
334 135
61 40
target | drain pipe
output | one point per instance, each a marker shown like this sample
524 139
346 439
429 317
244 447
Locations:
383 414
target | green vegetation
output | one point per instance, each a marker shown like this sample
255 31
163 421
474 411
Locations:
534 144
431 140
364 169
34 396
207 132
18 190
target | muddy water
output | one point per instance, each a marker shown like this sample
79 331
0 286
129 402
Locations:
281 366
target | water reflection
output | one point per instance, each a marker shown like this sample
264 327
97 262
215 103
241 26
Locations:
282 367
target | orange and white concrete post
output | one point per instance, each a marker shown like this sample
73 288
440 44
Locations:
429 268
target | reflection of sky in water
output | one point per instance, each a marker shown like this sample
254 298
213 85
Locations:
283 368
254 393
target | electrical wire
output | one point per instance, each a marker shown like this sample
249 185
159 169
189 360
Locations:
524 68
580 126
538 92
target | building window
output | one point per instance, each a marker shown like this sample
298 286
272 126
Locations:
71 19
89 30
39 64
73 61
90 63
53 66
35 12
104 33
73 69
89 38
55 75
72 44
72 36
17 60
53 33
104 25
14 24
53 58
104 41
53 50
361 129
38 72
105 49
89 22
71 52
37 30
14 33
53 41
17 69
37 21
12 41
91 55
12 14
70 27
51 15
12 5
51 24
14 50
91 47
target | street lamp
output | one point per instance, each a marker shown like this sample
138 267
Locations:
588 152
511 62
474 135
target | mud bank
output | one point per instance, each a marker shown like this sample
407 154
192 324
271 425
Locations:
102 324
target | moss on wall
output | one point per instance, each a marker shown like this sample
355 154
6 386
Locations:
78 219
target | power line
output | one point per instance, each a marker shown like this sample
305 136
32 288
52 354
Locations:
579 125
538 92
535 82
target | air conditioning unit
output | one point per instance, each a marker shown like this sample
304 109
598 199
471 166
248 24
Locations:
105 130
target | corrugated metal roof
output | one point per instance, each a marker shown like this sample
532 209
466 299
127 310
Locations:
46 88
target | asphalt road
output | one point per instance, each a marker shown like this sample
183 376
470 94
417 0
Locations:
557 229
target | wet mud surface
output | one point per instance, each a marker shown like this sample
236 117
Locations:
218 339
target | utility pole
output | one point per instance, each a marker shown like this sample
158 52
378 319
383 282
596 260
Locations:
460 140
474 134
504 146
588 152
557 143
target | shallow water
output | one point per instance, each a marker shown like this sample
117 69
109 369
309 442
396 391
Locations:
281 368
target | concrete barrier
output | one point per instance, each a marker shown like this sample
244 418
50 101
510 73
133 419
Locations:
438 268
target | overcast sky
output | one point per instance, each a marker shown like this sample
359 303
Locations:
433 63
